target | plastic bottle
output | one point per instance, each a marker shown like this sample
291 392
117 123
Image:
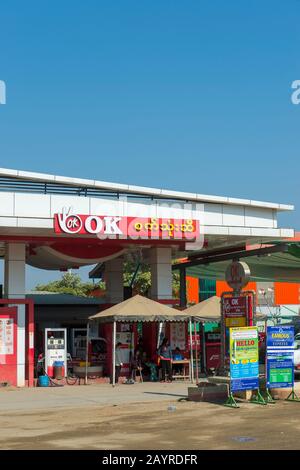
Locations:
172 408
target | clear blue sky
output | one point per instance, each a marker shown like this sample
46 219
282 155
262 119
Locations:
187 95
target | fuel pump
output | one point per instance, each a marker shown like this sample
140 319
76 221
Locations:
55 349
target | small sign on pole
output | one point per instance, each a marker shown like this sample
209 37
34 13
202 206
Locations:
237 311
237 307
238 275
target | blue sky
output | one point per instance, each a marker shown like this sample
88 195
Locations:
191 95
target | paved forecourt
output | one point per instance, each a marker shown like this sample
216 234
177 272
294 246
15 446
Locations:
99 395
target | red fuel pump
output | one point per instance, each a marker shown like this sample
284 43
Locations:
212 351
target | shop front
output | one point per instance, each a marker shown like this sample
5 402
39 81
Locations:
59 223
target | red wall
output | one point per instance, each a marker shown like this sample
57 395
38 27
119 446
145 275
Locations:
286 293
222 286
192 289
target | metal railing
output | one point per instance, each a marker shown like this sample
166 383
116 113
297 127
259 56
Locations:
39 187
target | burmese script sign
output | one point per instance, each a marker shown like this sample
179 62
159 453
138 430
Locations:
114 227
6 336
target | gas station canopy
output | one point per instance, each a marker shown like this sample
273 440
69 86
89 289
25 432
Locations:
280 263
72 222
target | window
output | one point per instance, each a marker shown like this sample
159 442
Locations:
207 289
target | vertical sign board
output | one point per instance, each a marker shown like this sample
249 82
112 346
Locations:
280 357
178 336
235 316
8 345
127 349
244 359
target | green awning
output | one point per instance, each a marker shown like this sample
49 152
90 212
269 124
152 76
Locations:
279 267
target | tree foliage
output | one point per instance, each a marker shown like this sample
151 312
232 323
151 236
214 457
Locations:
136 274
69 284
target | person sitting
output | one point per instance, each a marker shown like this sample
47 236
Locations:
136 364
144 364
139 348
178 356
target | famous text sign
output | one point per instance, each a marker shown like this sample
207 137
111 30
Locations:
280 356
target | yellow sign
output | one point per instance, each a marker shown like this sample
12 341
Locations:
238 322
244 345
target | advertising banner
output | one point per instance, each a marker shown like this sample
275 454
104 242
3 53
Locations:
280 357
6 336
127 348
244 359
107 226
178 336
235 307
235 316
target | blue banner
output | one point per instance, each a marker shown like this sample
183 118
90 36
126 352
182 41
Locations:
280 357
244 361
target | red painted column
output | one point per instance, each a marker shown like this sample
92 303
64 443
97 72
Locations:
30 351
107 329
29 336
150 338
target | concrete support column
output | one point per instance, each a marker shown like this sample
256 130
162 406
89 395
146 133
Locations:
114 280
183 296
161 273
14 282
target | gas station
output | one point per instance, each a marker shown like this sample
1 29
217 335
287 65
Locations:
59 223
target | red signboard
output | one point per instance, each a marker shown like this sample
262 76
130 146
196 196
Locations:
8 345
213 355
235 306
114 227
195 341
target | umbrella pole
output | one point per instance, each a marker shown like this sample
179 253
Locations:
197 365
160 328
203 341
87 352
114 338
191 352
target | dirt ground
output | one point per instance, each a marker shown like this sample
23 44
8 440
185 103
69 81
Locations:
150 426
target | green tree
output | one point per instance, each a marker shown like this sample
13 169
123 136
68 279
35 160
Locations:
136 274
69 284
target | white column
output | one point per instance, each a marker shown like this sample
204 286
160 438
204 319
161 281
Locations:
161 273
114 280
114 340
14 283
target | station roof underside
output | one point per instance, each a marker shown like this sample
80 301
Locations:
283 266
